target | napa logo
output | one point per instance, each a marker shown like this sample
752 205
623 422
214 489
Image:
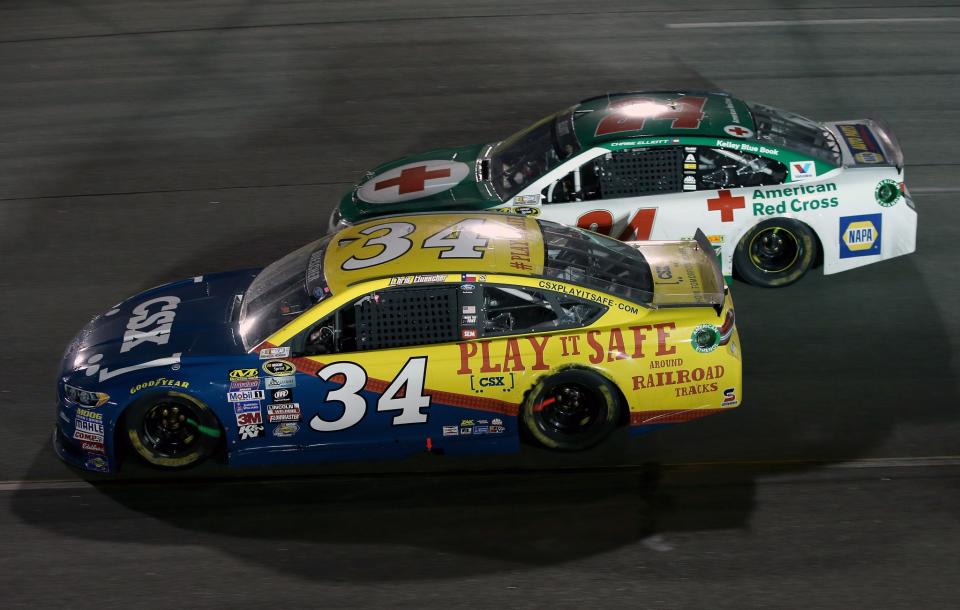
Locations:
860 235
802 170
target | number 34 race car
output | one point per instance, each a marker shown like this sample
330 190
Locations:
774 191
449 333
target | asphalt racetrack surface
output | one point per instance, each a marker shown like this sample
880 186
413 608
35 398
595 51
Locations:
142 142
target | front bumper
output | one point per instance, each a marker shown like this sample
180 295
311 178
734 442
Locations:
93 457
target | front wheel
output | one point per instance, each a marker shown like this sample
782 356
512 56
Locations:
775 253
172 430
572 410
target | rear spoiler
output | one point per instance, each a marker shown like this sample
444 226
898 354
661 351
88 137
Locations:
685 273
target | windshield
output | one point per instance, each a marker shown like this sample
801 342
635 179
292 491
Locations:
283 291
594 260
528 154
794 132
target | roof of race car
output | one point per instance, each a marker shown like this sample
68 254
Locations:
429 244
661 113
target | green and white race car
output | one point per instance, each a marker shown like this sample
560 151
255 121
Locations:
774 191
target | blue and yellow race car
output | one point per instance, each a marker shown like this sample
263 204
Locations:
448 333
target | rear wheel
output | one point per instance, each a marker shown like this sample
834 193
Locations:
172 430
572 410
775 252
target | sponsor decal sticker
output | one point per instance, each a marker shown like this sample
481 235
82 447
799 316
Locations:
279 368
802 170
284 412
160 382
273 383
90 427
246 407
413 181
451 431
527 199
93 446
737 131
151 322
281 395
468 333
482 383
860 235
725 203
237 374
887 193
861 143
793 198
250 431
96 463
868 158
245 384
88 415
472 277
286 429
275 352
245 395
87 436
729 397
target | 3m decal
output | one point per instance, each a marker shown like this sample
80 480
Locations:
246 419
404 394
725 203
632 113
154 327
860 235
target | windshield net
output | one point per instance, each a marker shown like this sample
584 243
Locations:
283 291
528 154
596 261
794 132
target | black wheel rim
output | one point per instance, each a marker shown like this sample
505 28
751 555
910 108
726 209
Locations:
774 249
569 409
170 428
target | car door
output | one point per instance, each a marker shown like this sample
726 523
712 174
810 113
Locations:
619 192
375 365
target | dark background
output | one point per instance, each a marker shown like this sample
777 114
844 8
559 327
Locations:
141 142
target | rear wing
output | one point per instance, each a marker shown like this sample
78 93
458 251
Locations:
685 273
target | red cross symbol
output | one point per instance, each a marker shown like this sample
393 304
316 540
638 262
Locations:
412 179
726 204
737 131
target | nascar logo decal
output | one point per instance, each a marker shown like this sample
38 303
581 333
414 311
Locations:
413 181
860 235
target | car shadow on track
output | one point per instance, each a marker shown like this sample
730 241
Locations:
403 526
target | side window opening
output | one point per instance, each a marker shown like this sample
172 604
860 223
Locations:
396 317
513 310
623 173
718 168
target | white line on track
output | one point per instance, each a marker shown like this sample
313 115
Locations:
936 189
905 462
800 22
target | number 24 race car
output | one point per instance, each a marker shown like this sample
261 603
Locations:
449 333
774 191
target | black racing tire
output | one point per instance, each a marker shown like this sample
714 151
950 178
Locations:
572 410
775 252
172 430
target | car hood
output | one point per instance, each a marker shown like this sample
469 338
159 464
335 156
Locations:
167 323
439 179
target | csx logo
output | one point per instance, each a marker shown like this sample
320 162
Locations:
480 383
489 382
244 374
